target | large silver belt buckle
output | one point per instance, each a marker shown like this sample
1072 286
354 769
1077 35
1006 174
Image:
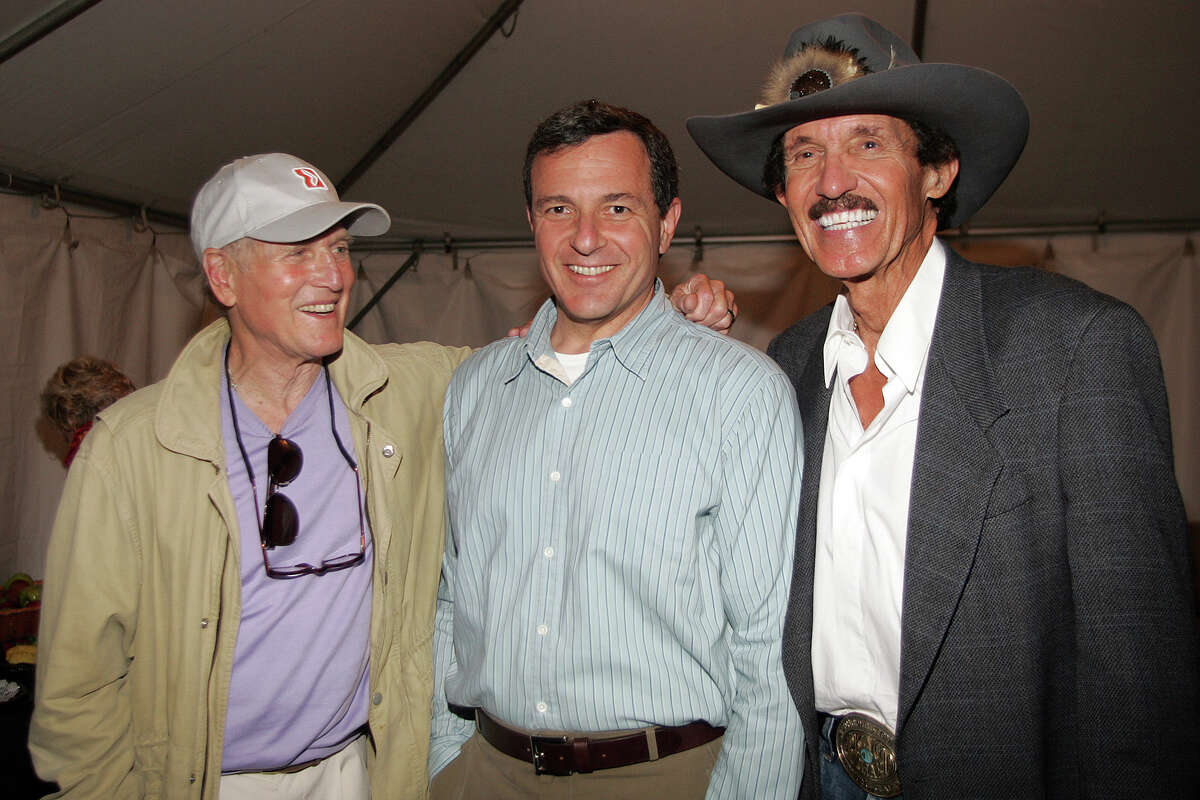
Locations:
867 750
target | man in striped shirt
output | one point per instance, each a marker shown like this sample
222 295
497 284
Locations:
622 491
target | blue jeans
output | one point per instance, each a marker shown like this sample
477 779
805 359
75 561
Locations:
835 783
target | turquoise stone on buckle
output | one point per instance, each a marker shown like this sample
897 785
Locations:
866 749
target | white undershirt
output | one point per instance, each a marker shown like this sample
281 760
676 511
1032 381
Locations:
862 504
572 364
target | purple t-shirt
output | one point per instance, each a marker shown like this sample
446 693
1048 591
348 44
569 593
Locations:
300 680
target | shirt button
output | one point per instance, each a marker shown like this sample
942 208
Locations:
204 622
541 707
388 451
554 476
548 552
542 630
376 698
566 402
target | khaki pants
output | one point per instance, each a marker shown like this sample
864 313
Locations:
341 776
481 772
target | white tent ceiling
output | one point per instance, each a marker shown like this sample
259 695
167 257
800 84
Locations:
140 101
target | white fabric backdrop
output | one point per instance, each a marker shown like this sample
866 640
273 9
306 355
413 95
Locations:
102 287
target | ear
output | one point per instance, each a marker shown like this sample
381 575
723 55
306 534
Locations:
529 216
666 226
219 270
939 179
781 195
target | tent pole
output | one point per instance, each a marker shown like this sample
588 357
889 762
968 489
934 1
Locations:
506 9
67 194
1107 226
918 32
16 184
410 262
47 23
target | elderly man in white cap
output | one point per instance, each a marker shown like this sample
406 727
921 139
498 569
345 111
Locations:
241 579
242 573
991 593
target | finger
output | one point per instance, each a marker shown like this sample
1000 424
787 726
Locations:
520 331
703 290
683 298
715 313
726 320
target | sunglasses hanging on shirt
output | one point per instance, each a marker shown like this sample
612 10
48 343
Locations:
280 522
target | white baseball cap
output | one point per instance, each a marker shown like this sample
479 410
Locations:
275 197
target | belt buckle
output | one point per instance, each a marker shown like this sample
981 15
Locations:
866 749
536 743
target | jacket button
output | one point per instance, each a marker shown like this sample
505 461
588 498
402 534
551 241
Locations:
191 778
204 622
388 451
376 698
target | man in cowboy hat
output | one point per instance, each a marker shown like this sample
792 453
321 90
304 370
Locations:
992 563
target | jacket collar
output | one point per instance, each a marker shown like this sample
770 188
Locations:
960 342
188 421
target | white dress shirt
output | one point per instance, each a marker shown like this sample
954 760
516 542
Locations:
862 504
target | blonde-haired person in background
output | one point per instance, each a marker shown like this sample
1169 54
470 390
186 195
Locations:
77 391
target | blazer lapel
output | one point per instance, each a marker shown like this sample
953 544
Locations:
954 471
814 415
803 360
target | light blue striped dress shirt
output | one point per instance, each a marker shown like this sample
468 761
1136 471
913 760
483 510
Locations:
619 550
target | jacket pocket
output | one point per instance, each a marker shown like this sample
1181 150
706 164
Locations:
1010 493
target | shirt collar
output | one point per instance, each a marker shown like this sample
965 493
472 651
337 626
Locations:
841 327
904 343
631 345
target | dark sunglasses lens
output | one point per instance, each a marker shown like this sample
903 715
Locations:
284 460
280 521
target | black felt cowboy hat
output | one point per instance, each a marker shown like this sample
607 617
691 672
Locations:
851 64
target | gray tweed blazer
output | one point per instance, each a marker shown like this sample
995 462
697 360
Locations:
1048 643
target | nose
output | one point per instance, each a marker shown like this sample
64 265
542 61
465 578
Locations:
836 177
332 270
587 237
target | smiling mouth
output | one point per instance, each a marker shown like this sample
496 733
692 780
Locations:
845 220
579 270
318 308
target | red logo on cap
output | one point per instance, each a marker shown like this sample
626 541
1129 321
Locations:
312 178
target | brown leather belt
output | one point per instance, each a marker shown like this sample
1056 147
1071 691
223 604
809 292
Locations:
564 755
294 768
303 765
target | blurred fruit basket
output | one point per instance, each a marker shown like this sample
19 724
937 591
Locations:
18 624
20 610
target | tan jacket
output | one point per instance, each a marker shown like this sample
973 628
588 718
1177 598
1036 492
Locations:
142 595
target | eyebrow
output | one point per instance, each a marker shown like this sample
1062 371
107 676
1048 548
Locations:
796 143
556 199
867 130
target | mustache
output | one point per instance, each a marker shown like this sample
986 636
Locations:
847 202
